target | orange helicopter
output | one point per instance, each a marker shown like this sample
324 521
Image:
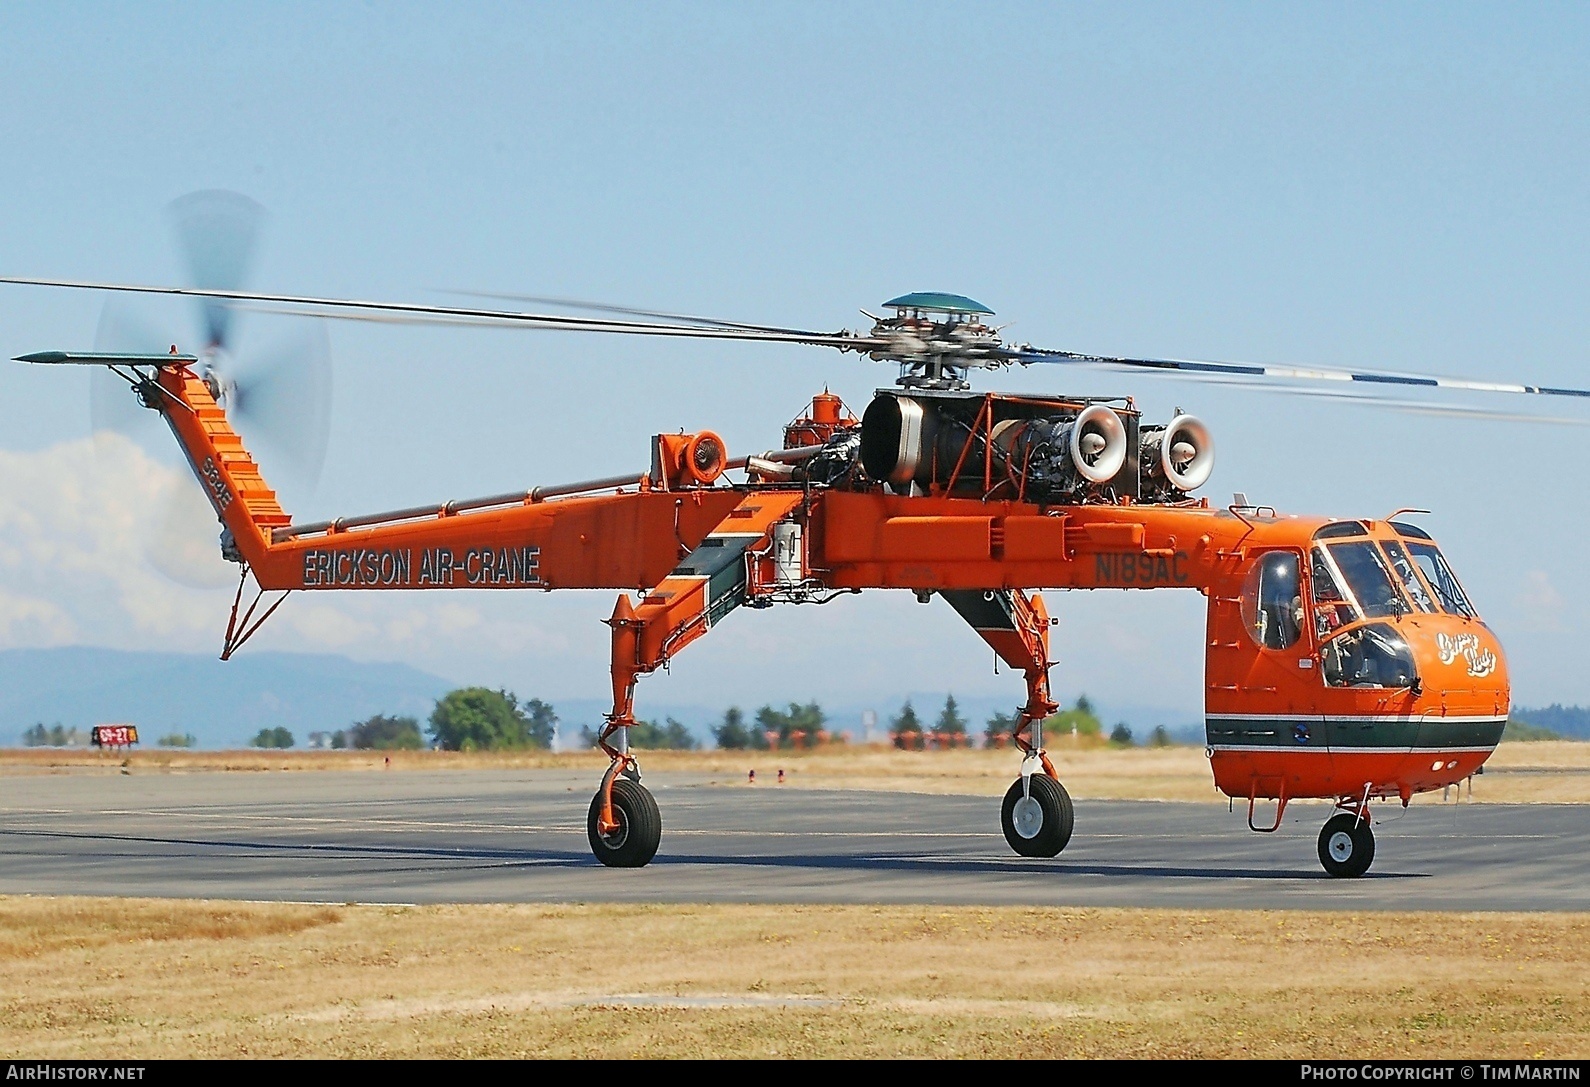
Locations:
1343 659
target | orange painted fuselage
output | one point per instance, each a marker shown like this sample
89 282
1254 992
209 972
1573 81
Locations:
1285 716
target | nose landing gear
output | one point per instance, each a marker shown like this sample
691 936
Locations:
1346 845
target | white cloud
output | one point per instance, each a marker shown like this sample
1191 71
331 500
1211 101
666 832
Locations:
92 530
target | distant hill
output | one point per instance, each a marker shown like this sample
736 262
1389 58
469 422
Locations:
225 704
221 704
1571 722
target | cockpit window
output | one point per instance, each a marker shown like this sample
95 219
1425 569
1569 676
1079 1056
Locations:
1368 580
1409 532
1402 567
1332 608
1341 528
1442 580
1272 605
1372 655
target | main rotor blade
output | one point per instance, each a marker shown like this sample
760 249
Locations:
1194 368
357 310
628 311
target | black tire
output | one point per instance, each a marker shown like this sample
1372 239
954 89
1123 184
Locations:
1046 836
639 832
1346 846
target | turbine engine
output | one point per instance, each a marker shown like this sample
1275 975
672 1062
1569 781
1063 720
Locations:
1175 458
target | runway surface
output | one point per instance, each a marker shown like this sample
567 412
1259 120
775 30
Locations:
472 836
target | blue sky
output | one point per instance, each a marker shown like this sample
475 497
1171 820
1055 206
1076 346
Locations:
1388 186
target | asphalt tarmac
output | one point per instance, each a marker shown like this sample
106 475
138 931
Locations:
476 836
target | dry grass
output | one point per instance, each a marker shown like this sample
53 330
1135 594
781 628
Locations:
133 979
1543 772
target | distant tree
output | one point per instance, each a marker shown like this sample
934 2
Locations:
731 734
671 736
1160 737
950 719
383 733
1523 730
1569 722
58 736
178 739
904 724
37 736
277 737
1121 736
480 719
1079 719
999 727
339 740
808 719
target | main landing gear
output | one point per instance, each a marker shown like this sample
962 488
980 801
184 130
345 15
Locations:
635 829
1037 817
1346 844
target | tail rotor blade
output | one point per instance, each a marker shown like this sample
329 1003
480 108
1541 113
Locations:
282 399
217 232
112 407
181 539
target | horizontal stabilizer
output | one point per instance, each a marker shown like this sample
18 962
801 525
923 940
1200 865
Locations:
104 358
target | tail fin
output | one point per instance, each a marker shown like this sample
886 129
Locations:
229 475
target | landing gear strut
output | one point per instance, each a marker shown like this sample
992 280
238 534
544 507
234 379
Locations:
1346 845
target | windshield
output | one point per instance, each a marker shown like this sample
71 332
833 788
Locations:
1368 580
1441 579
1402 566
1332 609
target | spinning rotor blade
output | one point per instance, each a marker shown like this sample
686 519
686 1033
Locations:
217 231
283 398
1027 356
180 540
418 313
177 531
628 311
881 347
112 407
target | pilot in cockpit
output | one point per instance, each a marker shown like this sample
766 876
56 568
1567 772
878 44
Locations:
1331 607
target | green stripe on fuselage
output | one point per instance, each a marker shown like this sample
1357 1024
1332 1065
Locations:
1417 733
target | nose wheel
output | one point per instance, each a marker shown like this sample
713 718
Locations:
1036 816
1346 846
633 841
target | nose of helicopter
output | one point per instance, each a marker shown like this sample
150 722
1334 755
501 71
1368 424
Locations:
1460 663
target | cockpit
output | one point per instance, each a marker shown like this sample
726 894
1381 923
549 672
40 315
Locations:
1358 584
1359 577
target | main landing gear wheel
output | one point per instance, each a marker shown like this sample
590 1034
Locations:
1037 821
1346 846
633 843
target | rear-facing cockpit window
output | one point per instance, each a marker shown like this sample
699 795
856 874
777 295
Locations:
1436 571
1368 579
1372 655
1272 603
